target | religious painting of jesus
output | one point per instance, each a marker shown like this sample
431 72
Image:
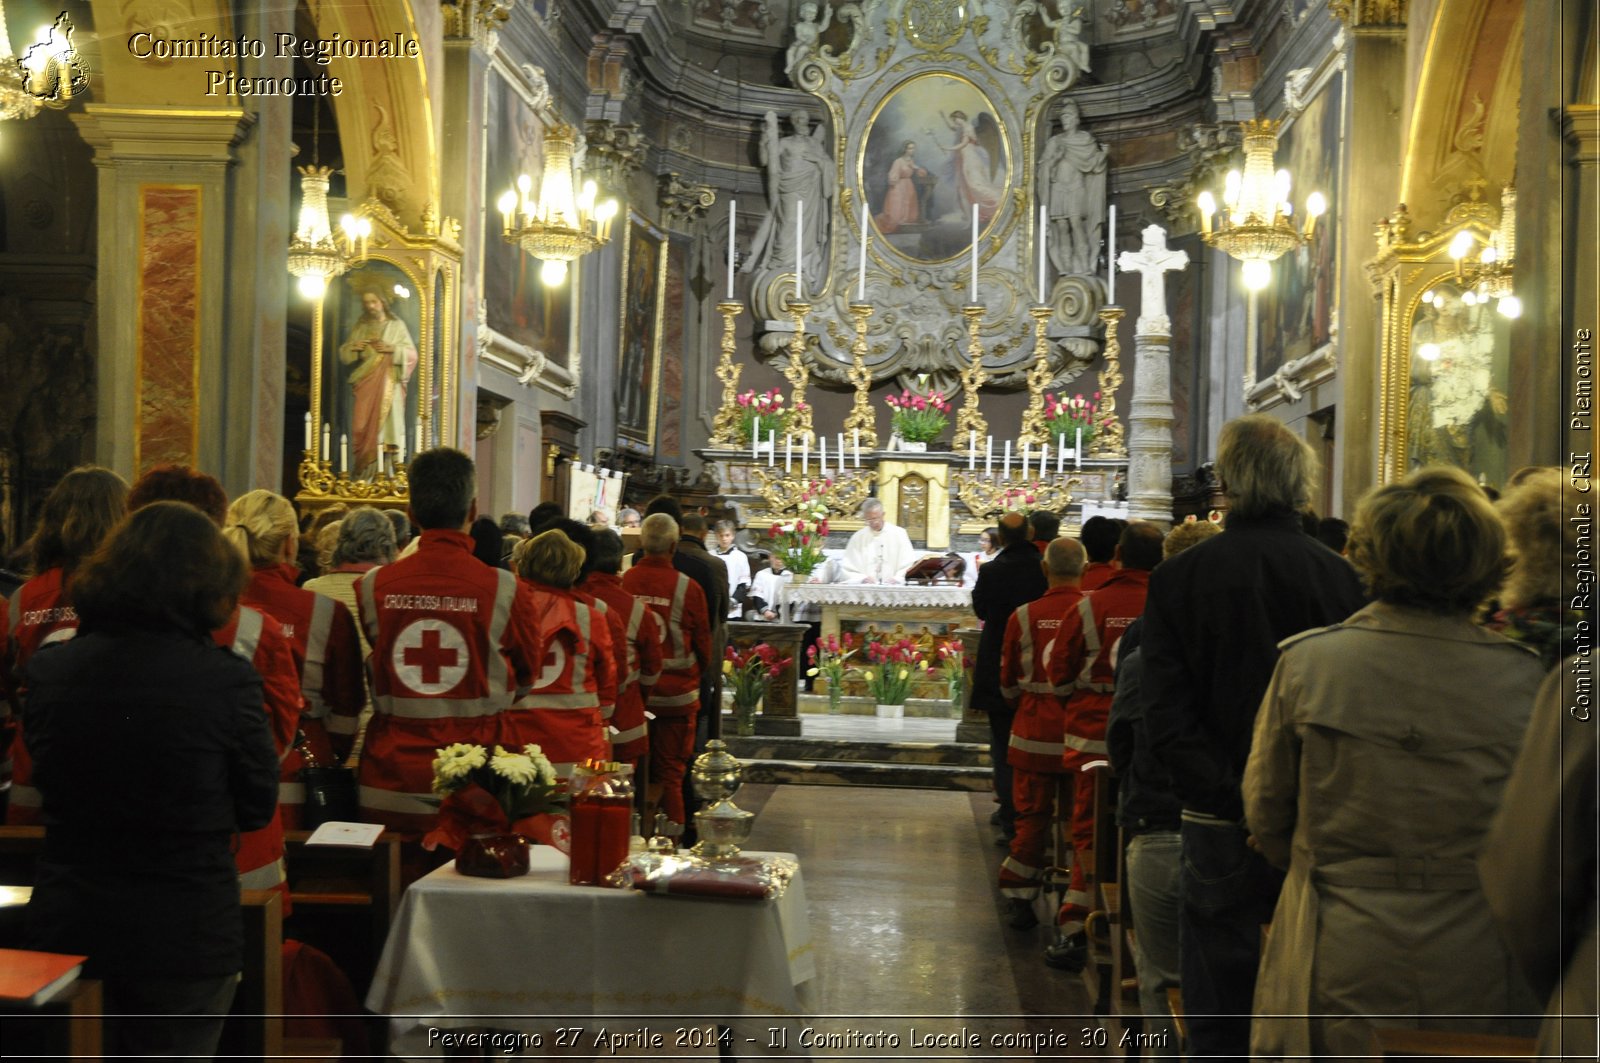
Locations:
372 320
934 151
644 280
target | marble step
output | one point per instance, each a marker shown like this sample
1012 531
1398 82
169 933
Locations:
868 773
876 750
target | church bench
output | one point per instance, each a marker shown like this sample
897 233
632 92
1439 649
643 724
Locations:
1394 1043
344 899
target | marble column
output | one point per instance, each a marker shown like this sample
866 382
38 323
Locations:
177 379
1150 412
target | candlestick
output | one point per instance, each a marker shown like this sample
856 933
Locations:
772 447
1061 452
788 453
1007 468
733 213
1043 218
856 433
308 431
861 268
725 430
1111 257
799 227
969 418
972 450
988 457
797 372
862 417
973 284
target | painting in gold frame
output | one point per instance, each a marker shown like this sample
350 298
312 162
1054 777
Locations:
644 283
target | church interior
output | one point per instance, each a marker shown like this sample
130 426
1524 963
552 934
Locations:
806 261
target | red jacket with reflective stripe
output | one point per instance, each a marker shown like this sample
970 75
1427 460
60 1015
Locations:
453 642
1095 574
630 739
564 710
1082 656
680 607
38 613
1036 731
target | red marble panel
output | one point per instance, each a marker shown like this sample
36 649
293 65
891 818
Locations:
167 420
669 427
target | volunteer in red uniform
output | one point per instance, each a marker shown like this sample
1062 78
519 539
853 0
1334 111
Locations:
77 516
564 712
629 736
1085 658
1099 536
262 526
259 856
453 641
1036 745
680 607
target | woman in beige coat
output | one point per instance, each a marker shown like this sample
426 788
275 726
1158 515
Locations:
1380 753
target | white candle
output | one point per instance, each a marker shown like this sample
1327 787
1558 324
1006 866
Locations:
327 442
1077 454
788 453
822 455
344 452
772 447
861 269
755 438
805 455
1061 452
799 227
856 435
973 283
1111 257
308 431
972 450
1027 455
1043 218
839 457
1044 461
1006 472
988 457
733 213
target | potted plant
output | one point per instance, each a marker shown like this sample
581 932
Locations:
762 418
918 419
750 671
801 545
492 805
828 655
1065 419
952 661
890 668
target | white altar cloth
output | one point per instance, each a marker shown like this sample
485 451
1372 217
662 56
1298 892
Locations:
534 954
882 596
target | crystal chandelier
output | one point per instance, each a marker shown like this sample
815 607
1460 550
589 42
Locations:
559 226
1255 226
314 257
49 73
1488 275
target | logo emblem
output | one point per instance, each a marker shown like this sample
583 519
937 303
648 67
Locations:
430 656
555 663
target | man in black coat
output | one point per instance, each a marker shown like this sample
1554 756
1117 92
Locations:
1213 621
1014 577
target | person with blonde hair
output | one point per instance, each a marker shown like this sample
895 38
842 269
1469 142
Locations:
76 517
565 711
261 525
1543 547
1213 620
1373 781
365 541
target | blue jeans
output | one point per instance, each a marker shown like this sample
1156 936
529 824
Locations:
1229 893
1156 900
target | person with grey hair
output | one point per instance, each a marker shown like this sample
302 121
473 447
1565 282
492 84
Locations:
879 553
1213 620
628 518
366 540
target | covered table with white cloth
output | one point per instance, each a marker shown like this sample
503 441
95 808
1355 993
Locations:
535 955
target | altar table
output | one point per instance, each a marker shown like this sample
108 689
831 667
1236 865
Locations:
536 955
891 603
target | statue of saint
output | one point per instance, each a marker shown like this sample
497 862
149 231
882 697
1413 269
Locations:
1072 183
1068 47
381 358
807 35
799 170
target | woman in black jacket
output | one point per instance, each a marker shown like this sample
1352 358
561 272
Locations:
151 751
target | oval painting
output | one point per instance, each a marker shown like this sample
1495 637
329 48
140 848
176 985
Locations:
935 151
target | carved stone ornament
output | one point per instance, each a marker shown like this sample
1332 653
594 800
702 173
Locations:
615 150
489 410
480 20
1371 13
1211 150
684 200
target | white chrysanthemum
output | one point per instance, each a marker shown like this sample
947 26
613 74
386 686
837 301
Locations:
541 764
455 761
518 767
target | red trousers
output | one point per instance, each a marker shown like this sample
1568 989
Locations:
1075 906
1033 797
671 745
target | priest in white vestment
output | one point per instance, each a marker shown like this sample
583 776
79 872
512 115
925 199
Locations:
878 553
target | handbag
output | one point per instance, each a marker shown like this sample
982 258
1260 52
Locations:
330 790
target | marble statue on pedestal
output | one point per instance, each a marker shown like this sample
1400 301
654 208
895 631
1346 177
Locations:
799 170
1072 184
1150 412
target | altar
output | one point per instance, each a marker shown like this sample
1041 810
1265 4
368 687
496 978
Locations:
885 603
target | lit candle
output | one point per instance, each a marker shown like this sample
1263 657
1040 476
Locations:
772 447
972 450
1044 461
805 455
1006 472
1077 454
733 213
799 227
344 452
856 435
861 268
1111 257
1042 220
988 457
788 453
973 282
308 431
327 442
1061 452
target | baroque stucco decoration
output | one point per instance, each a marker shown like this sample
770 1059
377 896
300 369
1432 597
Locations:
917 69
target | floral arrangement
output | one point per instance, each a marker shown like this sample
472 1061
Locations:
952 661
801 545
918 418
1065 417
506 793
813 501
751 670
891 666
761 414
827 657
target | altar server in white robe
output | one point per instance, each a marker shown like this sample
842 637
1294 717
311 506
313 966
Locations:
878 553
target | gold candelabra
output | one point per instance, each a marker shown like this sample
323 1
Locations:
797 374
725 431
319 483
970 424
786 493
988 496
861 420
1033 430
1108 440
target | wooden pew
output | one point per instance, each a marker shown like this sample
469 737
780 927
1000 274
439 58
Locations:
344 899
1393 1043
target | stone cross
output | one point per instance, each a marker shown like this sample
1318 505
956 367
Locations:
1151 262
1150 412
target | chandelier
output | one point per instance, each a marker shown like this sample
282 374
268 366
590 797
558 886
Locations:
559 226
314 257
1488 275
49 73
1256 225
